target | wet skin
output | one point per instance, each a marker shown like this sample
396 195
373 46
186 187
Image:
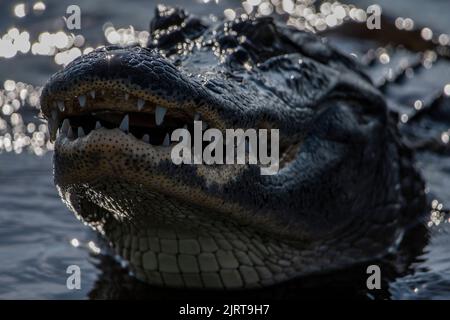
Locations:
345 192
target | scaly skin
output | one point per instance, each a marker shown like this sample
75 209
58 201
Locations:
345 192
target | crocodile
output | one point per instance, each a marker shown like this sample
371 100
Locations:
346 190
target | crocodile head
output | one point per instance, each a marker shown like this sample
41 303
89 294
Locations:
343 179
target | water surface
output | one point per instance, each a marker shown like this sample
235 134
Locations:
39 237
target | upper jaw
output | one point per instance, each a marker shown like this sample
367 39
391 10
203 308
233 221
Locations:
135 79
117 109
111 79
139 92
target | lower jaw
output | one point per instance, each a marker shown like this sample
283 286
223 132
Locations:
182 246
194 252
178 245
169 243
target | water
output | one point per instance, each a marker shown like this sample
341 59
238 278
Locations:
39 237
36 231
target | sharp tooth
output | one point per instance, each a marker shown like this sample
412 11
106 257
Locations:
50 128
140 104
127 96
80 132
65 126
98 125
82 101
61 106
124 125
53 125
93 94
166 141
159 115
146 138
70 133
197 116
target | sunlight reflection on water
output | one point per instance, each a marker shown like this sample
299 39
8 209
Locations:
26 182
64 46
